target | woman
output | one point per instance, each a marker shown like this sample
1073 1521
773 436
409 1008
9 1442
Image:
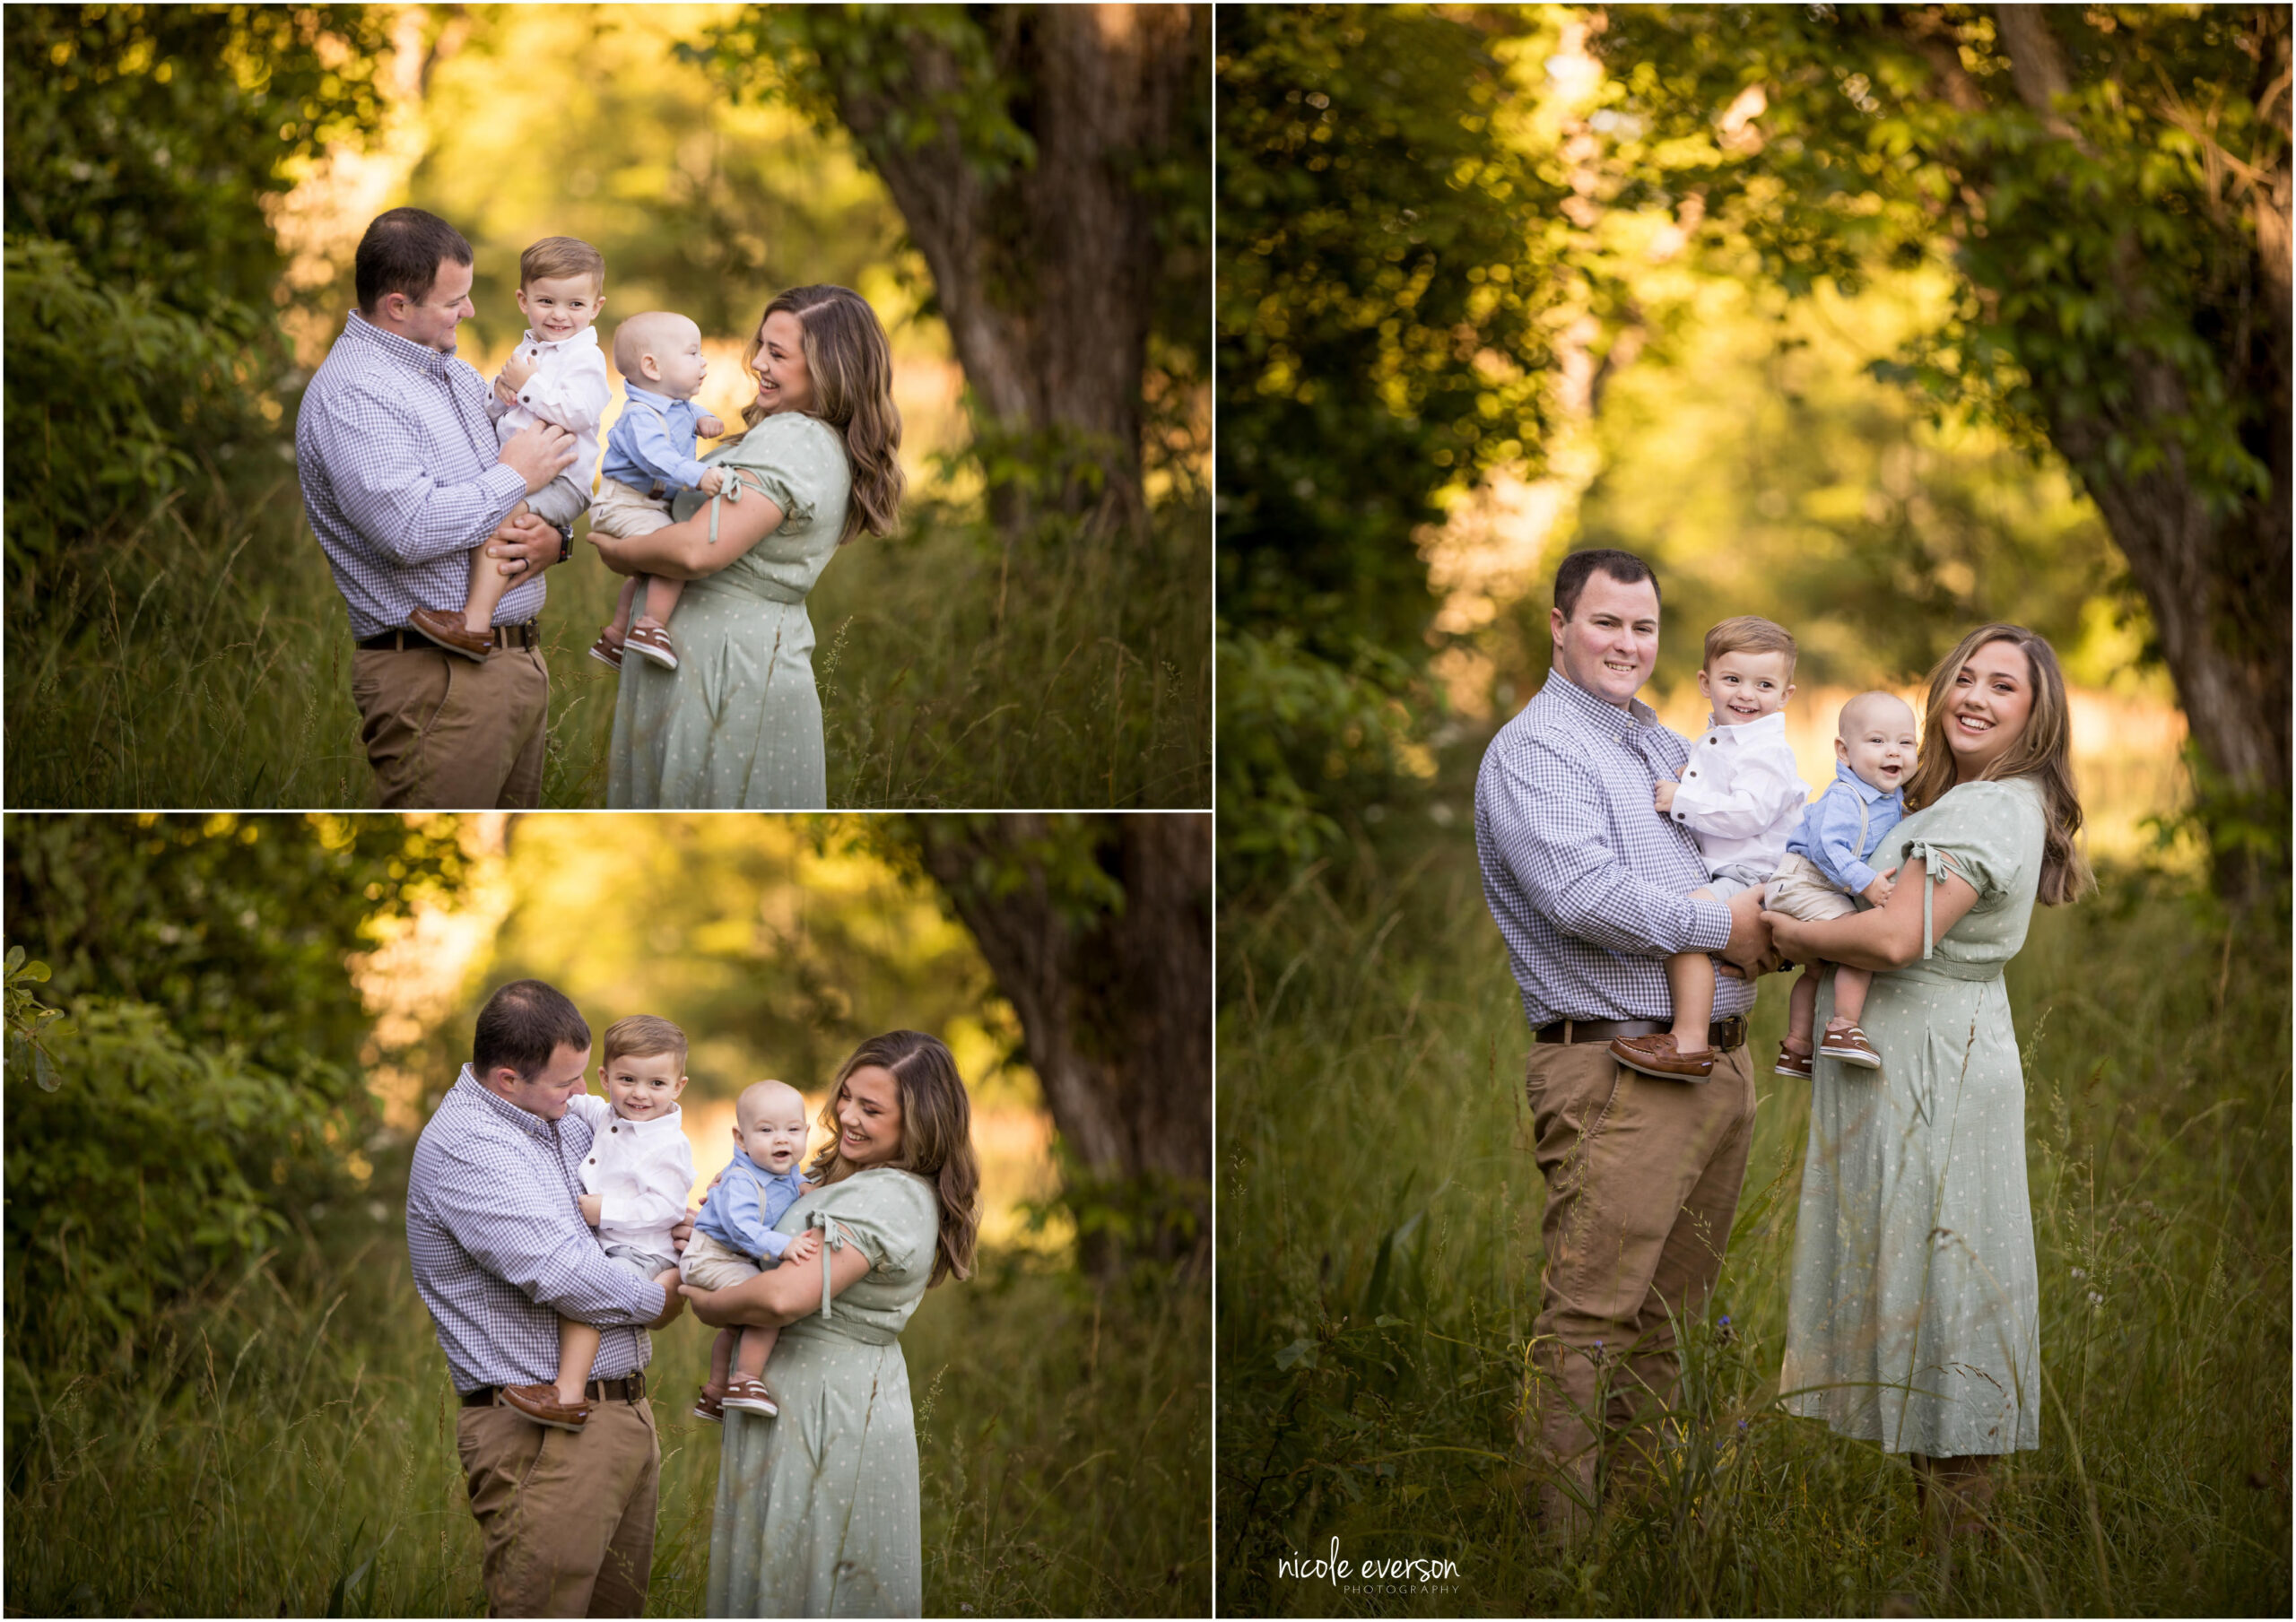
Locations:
817 1511
738 723
1915 1315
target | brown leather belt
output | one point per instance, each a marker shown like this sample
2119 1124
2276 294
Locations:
526 633
1722 1036
626 1389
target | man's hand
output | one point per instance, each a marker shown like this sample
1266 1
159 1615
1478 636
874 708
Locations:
525 543
680 1234
1879 890
539 453
712 482
709 426
1750 947
515 371
590 1204
673 1304
1663 794
805 1247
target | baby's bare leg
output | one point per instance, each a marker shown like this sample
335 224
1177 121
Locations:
662 598
757 1345
1849 988
1689 981
488 585
619 626
577 1349
721 1357
1802 1010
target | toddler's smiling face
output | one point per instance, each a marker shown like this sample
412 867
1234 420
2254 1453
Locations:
1747 685
556 307
643 1087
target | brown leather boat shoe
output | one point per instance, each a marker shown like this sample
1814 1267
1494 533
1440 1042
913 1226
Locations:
539 1403
448 632
1654 1055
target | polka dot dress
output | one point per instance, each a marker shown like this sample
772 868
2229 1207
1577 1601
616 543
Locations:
738 724
1914 1318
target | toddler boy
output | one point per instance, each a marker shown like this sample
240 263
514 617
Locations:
635 1181
1740 797
556 375
649 458
1874 749
734 1238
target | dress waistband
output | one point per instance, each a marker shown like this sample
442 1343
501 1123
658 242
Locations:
1947 968
844 1326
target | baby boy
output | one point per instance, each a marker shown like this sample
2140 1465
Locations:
649 458
1741 799
734 1238
635 1181
556 375
1874 749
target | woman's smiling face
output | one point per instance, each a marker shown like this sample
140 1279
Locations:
868 1117
1985 713
783 383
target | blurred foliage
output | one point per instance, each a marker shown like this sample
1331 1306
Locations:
30 1024
1305 745
777 943
208 1088
700 204
143 144
1380 301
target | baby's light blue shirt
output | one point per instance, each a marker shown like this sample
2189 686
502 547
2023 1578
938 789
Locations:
748 1201
1827 834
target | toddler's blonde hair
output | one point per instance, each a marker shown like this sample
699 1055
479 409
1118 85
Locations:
641 1037
1750 633
555 256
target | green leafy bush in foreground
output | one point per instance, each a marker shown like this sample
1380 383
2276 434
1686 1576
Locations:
1378 1269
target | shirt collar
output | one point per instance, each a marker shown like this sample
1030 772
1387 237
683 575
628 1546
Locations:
406 351
468 1087
1770 726
1866 791
588 336
1593 710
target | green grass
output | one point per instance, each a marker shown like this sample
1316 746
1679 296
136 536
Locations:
1379 1266
289 1448
208 665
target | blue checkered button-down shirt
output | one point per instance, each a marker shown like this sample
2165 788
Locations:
1588 884
400 478
499 1249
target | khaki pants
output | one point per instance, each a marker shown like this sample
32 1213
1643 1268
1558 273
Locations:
567 1519
1642 1180
446 733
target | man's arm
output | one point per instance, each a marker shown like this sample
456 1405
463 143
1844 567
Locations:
1550 823
392 500
523 1232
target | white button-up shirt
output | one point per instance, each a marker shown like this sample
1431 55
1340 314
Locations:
570 387
642 1172
1739 794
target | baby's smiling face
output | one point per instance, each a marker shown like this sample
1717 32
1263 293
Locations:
1878 740
769 1126
556 307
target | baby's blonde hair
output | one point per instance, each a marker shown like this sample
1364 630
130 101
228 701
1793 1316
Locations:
758 1096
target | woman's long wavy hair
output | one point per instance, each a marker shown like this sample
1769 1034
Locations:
935 1137
852 368
2043 751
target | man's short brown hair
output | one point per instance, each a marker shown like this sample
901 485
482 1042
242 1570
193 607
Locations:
1625 568
1750 634
556 256
641 1037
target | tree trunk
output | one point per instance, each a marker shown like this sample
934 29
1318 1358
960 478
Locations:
1114 1002
1046 274
2215 571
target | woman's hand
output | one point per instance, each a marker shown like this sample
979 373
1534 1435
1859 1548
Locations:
779 1295
683 551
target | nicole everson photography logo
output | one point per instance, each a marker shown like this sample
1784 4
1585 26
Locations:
1368 1576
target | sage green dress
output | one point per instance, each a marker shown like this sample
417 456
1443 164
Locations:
1915 1317
738 725
817 1510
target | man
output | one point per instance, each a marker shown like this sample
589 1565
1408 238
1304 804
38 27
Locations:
500 1250
1590 886
401 479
